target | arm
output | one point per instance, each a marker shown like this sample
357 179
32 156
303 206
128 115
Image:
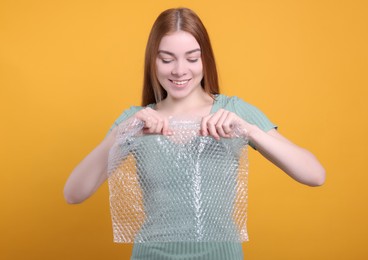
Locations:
297 162
90 173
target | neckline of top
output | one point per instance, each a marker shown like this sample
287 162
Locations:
212 110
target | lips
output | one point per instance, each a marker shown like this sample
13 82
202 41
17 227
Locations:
180 83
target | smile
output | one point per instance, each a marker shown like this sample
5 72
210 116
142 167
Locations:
180 82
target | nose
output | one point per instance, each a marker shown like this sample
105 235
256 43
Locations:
179 69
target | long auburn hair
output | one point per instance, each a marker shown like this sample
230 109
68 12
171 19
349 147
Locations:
167 22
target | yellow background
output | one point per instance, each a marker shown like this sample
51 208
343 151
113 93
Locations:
69 68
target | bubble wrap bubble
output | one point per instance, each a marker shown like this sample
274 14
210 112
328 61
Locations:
183 187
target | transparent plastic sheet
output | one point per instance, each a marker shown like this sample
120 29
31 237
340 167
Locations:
183 187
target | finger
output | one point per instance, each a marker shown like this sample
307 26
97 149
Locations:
235 125
211 124
229 123
165 127
220 124
204 125
145 117
159 125
140 114
153 121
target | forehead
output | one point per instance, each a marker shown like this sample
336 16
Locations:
178 42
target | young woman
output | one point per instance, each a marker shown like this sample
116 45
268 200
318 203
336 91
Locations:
180 79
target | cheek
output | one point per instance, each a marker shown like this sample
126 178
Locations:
198 69
163 70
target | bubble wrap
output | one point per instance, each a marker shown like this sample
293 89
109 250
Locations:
183 187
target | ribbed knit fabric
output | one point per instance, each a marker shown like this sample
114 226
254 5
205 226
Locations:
234 104
200 250
188 251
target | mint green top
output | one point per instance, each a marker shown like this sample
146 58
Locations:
246 111
200 250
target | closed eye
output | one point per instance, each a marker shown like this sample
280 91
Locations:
193 60
166 61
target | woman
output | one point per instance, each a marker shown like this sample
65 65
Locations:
180 79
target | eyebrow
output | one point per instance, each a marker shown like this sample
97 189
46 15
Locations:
172 54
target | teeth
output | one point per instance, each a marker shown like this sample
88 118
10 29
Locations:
180 82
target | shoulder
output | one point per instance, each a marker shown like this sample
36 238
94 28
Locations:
245 110
127 114
232 103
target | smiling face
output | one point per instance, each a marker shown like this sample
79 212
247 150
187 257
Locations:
179 65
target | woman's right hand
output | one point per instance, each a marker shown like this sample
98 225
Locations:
154 123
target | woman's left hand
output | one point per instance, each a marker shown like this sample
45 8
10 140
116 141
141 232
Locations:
222 124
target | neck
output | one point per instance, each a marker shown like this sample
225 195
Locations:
195 105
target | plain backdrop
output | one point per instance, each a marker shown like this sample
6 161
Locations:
69 68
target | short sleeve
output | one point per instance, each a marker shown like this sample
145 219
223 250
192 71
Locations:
246 111
124 116
252 114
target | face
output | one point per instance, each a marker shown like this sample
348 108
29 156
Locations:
179 65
